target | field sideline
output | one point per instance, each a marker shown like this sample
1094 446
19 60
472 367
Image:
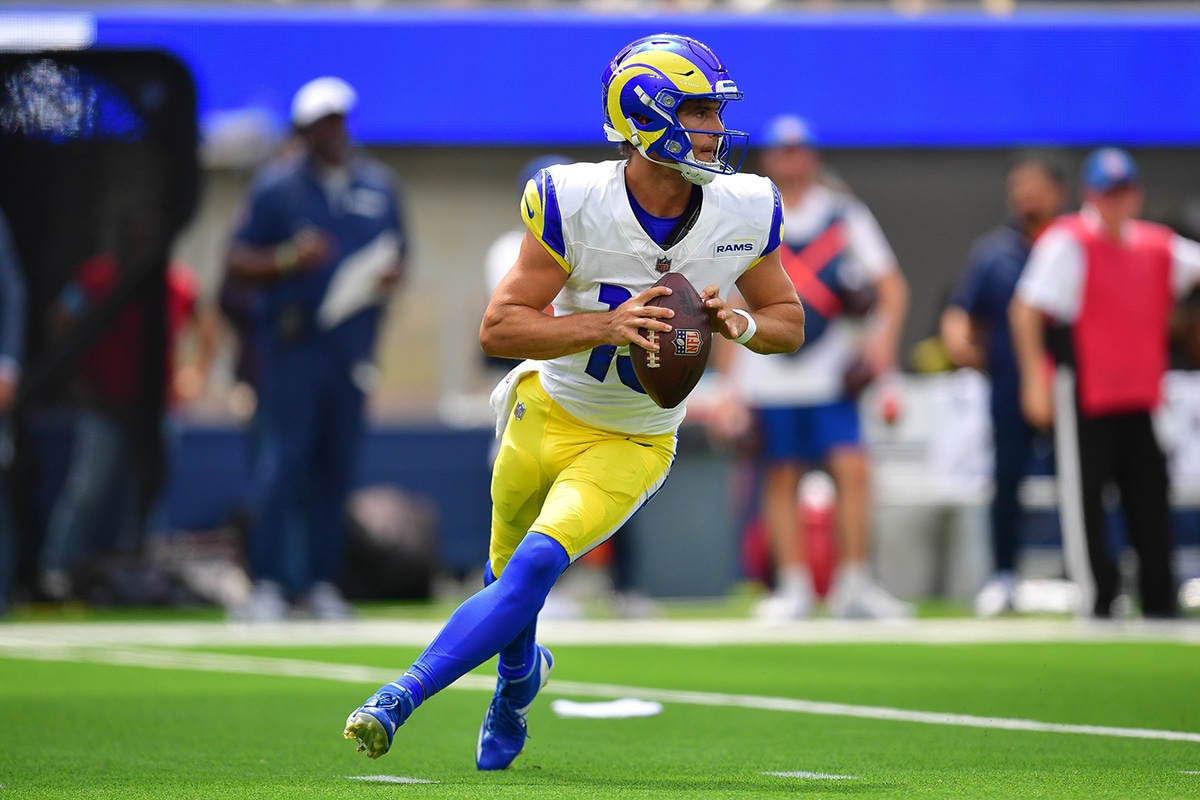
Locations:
1087 686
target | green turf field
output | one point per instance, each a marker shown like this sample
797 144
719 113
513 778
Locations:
205 710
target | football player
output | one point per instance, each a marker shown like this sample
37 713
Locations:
582 446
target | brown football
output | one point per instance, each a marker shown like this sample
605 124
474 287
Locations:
669 375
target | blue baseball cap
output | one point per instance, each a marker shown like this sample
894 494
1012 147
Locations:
1107 168
788 130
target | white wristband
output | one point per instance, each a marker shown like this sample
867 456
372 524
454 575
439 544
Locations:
751 326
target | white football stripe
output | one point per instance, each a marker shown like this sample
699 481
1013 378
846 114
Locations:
388 779
864 712
815 776
701 632
349 673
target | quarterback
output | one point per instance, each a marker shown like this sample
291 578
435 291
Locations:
582 446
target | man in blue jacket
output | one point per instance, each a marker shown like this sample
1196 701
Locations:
976 334
322 235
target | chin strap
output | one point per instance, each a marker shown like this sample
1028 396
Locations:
693 175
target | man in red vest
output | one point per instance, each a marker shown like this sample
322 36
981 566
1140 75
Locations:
1110 281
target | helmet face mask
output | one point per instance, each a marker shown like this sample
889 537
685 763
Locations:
645 85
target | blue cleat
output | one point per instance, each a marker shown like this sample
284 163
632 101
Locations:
374 723
502 736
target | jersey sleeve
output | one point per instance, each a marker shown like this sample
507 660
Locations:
541 214
775 232
775 235
1185 264
969 290
255 224
1053 277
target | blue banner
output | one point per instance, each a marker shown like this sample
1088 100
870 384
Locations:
476 77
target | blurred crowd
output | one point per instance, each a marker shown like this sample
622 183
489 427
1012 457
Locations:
319 247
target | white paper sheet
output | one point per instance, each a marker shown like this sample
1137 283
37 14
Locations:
355 284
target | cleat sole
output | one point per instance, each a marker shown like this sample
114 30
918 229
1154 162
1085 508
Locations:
368 732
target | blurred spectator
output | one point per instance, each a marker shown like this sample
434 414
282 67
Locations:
974 328
1185 332
12 339
322 236
110 452
805 404
1111 280
240 302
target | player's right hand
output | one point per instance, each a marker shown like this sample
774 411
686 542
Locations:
1037 403
8 393
314 248
635 314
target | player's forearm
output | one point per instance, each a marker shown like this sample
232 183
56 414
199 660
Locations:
514 331
1028 339
960 338
259 264
779 328
891 311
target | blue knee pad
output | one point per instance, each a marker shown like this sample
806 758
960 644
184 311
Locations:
500 617
536 564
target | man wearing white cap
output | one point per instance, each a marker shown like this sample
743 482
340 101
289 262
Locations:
1109 281
323 236
805 408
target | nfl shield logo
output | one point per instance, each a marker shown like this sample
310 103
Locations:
687 342
519 411
663 264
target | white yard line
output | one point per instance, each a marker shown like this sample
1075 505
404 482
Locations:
607 632
372 676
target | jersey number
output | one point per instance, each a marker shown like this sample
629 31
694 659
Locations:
602 356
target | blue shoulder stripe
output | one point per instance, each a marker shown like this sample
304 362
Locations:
776 233
541 214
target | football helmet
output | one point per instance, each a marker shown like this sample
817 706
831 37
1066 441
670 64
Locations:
643 87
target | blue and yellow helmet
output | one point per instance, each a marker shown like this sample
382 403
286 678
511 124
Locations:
643 87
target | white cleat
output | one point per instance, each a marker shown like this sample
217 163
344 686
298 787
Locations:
266 603
327 603
996 597
784 607
868 600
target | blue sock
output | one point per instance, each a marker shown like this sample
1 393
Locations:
497 617
518 657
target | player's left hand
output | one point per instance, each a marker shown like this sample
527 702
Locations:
390 279
189 382
720 314
879 354
8 393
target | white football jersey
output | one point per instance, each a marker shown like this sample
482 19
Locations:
582 215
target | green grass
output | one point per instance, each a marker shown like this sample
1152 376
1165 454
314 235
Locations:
737 604
72 729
